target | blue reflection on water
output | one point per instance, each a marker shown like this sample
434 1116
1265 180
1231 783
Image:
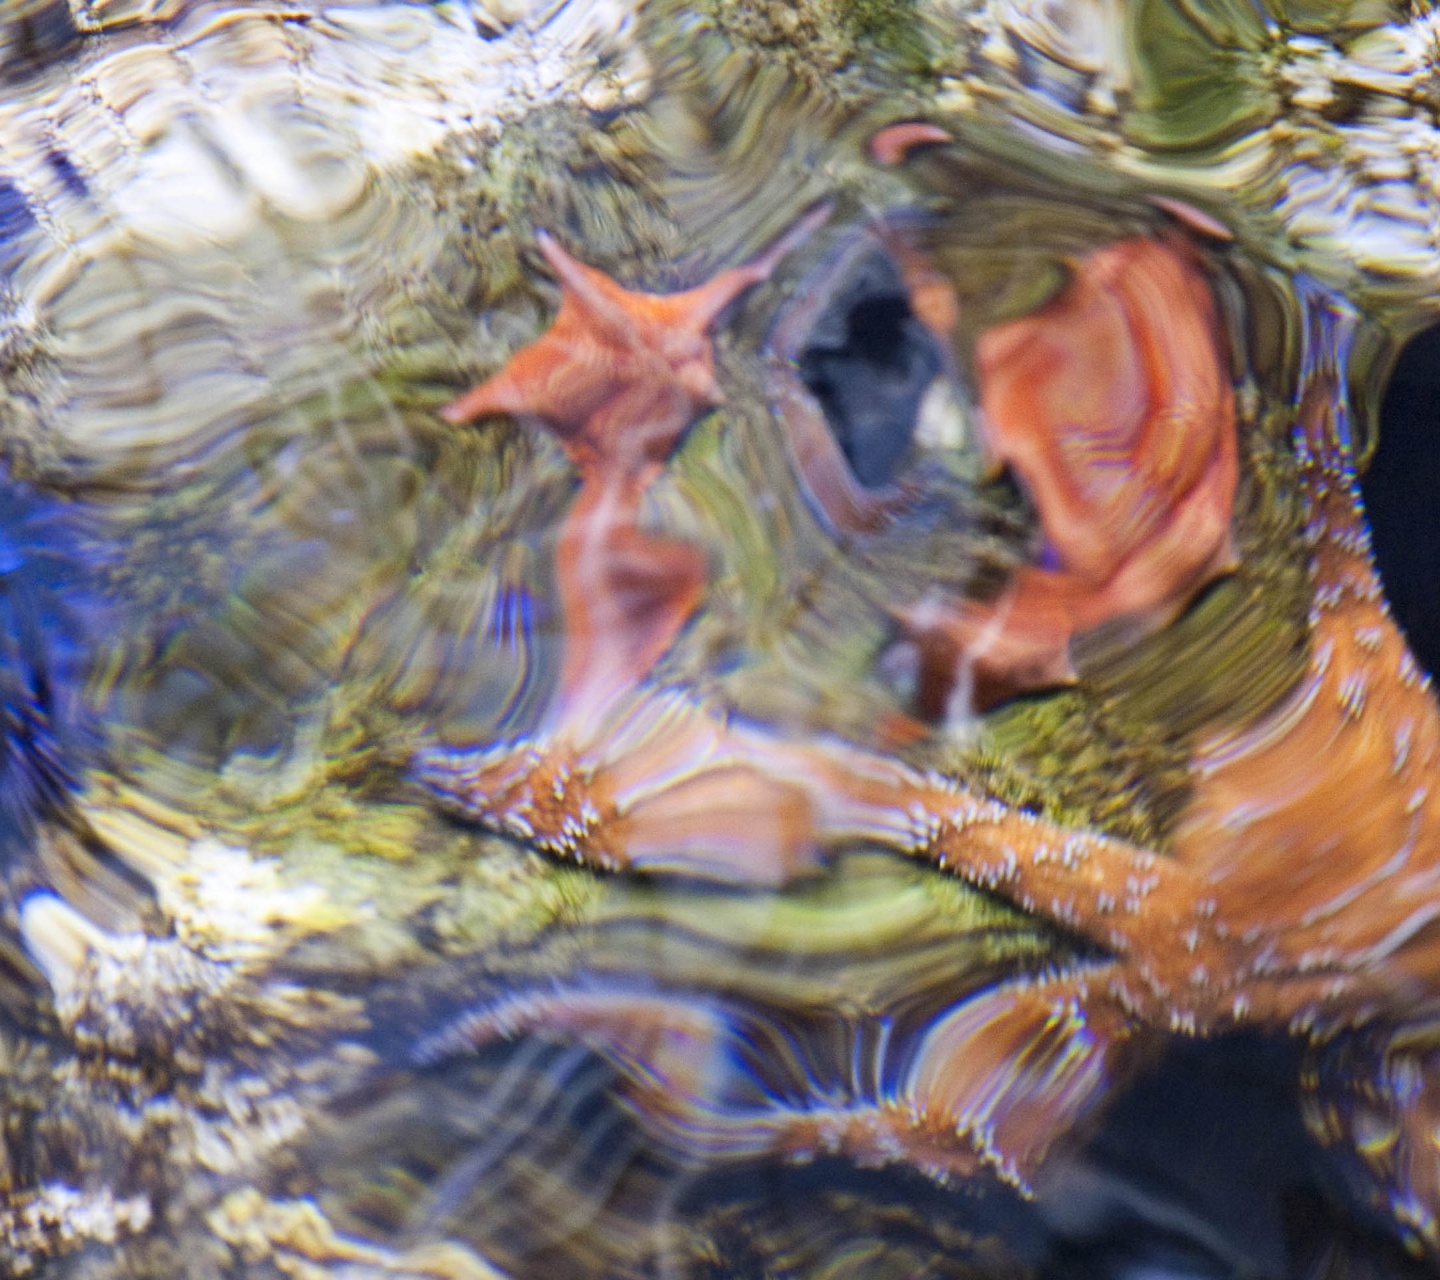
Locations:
50 621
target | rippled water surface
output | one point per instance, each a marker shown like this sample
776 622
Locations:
722 639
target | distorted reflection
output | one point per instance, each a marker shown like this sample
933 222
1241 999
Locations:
714 640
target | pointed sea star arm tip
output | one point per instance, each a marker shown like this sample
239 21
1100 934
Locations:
702 304
806 226
494 395
591 290
561 261
895 142
463 408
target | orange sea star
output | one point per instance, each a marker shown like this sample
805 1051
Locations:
1113 406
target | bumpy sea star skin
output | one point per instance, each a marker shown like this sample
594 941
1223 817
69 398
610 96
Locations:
1283 903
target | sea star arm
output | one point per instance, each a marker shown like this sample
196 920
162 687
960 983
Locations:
1112 404
893 144
608 310
698 308
994 1081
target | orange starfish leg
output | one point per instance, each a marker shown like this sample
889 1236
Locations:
1113 406
1323 820
1018 1068
892 144
993 1082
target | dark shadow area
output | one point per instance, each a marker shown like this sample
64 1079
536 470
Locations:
1402 495
869 362
1204 1167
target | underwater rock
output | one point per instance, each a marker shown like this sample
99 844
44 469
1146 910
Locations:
885 661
